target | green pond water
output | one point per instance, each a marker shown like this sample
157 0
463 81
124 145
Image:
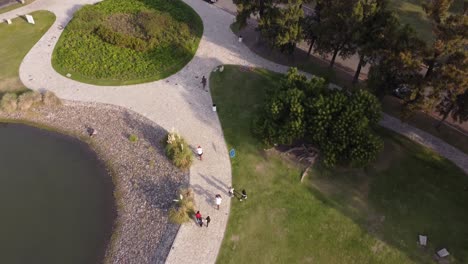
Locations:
56 201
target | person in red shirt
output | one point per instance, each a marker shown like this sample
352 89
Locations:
198 216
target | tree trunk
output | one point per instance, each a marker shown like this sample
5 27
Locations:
358 71
312 42
332 62
430 69
437 126
262 8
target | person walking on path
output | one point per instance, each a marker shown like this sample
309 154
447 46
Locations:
218 200
203 82
199 152
208 220
231 191
198 216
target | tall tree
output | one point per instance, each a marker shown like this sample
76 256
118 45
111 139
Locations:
336 29
282 27
450 88
311 26
399 63
451 34
375 25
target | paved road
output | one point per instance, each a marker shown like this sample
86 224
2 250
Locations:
175 102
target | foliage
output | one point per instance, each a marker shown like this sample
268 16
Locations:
178 150
283 119
28 100
247 8
450 88
282 26
337 27
133 138
341 125
49 98
120 41
375 25
400 63
370 215
437 10
9 102
185 207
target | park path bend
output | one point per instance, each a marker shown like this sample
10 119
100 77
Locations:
177 102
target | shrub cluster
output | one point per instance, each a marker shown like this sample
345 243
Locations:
178 150
339 123
11 102
123 40
185 207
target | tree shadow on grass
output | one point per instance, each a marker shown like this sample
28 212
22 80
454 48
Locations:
422 196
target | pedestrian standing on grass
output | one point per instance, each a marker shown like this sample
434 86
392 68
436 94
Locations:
218 200
198 216
208 220
243 196
203 82
231 191
199 152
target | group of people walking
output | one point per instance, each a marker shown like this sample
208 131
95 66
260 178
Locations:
218 199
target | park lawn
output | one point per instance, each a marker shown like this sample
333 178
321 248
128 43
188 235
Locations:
142 41
14 6
370 215
15 41
411 12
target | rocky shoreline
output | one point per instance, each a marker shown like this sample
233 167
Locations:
145 181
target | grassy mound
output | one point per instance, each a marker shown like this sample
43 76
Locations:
371 215
118 42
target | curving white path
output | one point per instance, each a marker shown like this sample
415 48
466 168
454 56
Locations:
175 102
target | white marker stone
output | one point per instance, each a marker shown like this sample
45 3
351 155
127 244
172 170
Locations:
30 19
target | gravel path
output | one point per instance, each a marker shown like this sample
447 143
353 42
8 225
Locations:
145 181
175 102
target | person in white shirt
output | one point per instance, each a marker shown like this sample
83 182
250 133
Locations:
218 200
199 152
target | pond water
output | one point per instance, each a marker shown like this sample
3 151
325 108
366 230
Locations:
56 199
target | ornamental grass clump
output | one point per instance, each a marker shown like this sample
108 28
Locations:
178 150
185 207
28 100
9 102
50 99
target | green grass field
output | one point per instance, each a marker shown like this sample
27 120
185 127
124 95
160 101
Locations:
15 41
370 215
411 12
121 42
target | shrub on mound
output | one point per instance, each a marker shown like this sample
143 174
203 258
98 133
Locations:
185 207
9 102
28 100
128 41
178 150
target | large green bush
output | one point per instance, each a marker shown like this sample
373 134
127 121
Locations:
128 41
339 123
